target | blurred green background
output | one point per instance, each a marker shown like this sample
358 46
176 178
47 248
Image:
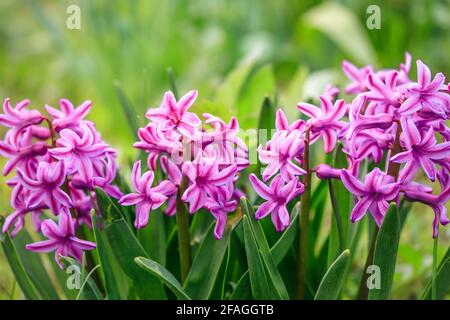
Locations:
233 52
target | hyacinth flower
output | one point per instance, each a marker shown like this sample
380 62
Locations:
146 198
280 154
277 195
57 160
374 194
174 115
200 160
61 239
325 122
422 150
388 127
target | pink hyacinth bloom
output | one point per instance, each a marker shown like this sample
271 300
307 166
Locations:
386 95
219 207
277 195
61 239
359 121
375 193
146 198
325 122
438 203
227 147
174 174
68 116
281 123
357 76
18 219
78 150
155 141
324 171
280 153
19 156
45 188
173 114
205 178
18 117
422 150
426 95
102 178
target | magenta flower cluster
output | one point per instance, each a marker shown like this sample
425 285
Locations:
55 163
392 119
200 162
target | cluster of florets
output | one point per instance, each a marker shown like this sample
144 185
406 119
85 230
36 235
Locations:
56 162
200 165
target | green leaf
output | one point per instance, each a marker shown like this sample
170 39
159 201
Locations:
385 255
34 265
128 109
343 201
17 267
108 264
284 244
442 280
159 271
343 27
278 252
272 270
207 261
229 91
126 247
261 83
332 282
88 289
258 277
153 237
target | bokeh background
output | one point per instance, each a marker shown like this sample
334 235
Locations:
233 52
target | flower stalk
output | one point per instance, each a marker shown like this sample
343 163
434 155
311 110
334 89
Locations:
304 222
393 170
184 242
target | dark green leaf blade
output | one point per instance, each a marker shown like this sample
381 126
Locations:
17 267
442 280
258 278
108 264
169 280
272 270
385 255
207 261
34 265
332 282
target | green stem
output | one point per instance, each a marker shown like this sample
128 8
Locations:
433 279
337 215
304 223
363 292
393 170
184 242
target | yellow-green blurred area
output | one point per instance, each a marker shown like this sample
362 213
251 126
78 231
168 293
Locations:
233 52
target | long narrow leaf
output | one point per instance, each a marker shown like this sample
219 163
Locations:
267 259
169 280
108 264
385 255
331 283
207 261
278 252
442 279
17 267
258 277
